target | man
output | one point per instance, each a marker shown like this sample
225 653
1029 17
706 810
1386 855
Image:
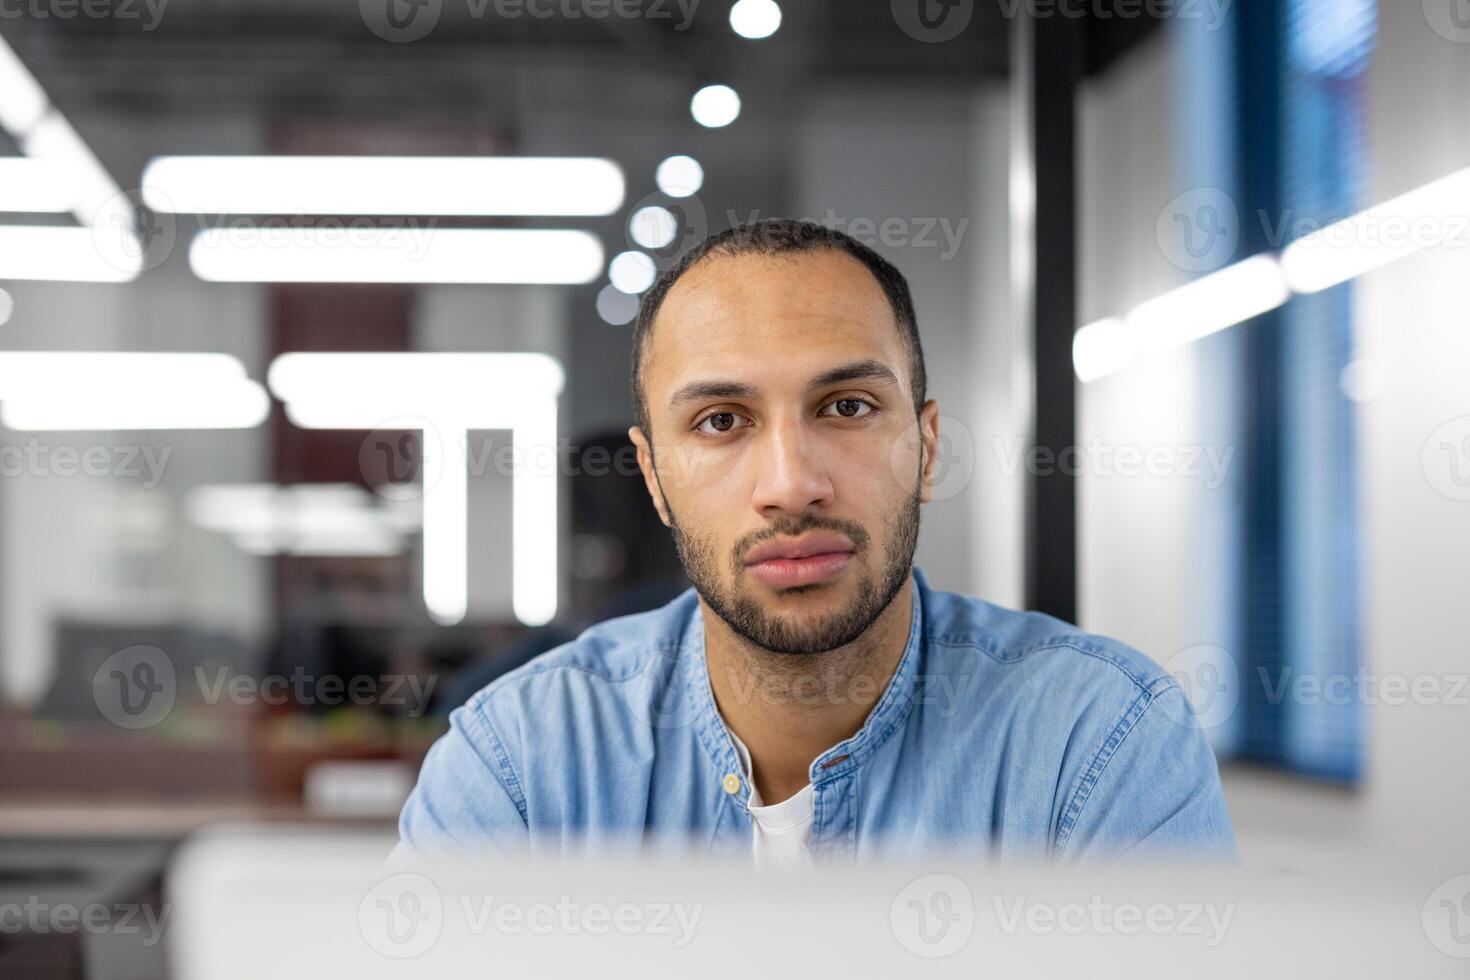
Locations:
812 698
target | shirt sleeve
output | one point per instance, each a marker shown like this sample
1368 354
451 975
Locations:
468 797
1152 792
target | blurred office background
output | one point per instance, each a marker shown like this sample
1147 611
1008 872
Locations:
237 600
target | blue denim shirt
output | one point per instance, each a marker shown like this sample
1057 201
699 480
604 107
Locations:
1001 735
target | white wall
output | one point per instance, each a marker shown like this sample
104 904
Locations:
1413 327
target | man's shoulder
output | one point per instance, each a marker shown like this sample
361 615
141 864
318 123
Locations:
1022 645
607 655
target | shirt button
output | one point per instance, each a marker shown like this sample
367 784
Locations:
731 783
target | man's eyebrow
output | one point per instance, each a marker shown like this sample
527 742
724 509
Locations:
701 390
865 370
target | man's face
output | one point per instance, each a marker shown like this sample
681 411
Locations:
790 464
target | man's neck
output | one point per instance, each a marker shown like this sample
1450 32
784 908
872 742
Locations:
790 708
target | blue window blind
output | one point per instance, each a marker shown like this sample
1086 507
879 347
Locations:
1275 113
1327 52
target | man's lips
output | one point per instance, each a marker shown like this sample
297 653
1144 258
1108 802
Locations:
790 562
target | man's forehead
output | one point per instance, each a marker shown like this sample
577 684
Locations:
811 306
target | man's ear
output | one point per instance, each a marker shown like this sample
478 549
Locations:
650 479
928 448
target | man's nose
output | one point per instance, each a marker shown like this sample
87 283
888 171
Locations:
791 474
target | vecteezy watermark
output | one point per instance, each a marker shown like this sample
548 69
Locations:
410 235
932 21
403 21
408 691
944 693
1199 230
667 226
1098 916
933 916
1446 917
394 462
37 916
891 231
954 458
401 916
936 21
1210 679
1208 464
137 688
1365 687
1214 683
36 459
131 236
1450 19
404 915
137 238
1446 459
147 12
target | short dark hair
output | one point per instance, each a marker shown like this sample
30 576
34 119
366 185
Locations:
780 236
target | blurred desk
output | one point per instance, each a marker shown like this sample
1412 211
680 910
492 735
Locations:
87 819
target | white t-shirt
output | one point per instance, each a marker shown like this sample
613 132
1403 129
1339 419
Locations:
782 830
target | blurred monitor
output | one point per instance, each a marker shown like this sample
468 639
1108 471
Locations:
321 904
101 666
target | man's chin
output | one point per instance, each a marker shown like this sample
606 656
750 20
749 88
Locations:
807 620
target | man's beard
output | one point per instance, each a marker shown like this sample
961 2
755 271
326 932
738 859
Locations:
745 616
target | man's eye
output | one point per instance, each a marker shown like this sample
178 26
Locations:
848 408
719 423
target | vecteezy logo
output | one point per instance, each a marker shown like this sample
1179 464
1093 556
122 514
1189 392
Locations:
1446 459
1446 915
1450 19
401 916
135 687
689 227
402 451
933 21
1208 676
1199 230
131 237
394 459
954 459
934 916
400 21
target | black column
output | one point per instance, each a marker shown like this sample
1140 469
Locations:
1045 60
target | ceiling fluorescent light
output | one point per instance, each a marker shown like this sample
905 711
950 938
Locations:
1099 349
1207 305
96 199
1425 218
114 253
124 390
471 186
443 396
405 255
55 254
33 373
22 100
242 405
26 187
